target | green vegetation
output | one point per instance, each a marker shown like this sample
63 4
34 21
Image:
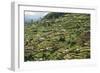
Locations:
58 36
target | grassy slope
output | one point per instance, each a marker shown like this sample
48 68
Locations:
58 36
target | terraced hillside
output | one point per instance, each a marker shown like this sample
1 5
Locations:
58 36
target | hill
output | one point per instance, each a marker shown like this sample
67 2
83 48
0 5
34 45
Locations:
58 36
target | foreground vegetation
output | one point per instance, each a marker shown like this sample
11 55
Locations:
58 36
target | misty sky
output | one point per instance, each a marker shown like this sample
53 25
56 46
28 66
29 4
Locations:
30 15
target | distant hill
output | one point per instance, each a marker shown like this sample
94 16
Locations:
36 16
30 18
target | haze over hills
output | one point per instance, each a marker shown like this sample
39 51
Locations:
33 16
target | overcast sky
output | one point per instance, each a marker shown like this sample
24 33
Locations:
30 15
40 14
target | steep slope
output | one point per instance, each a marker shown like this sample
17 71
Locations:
58 36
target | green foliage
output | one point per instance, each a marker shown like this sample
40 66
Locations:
58 36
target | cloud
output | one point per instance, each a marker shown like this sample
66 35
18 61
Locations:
30 13
38 14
